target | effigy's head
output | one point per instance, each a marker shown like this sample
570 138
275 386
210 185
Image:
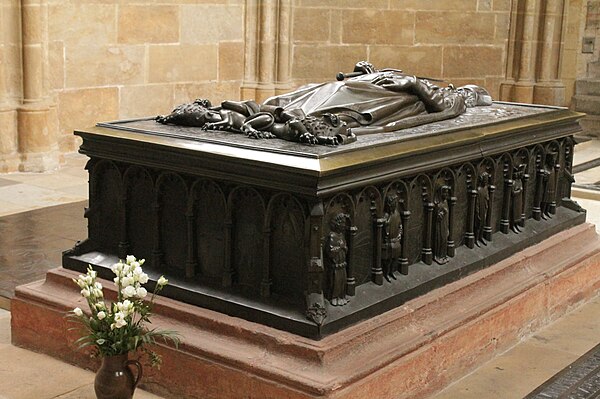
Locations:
188 114
474 95
326 125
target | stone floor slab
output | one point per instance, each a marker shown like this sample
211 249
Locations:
35 197
32 242
512 375
586 152
562 336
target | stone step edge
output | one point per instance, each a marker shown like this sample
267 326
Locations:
327 384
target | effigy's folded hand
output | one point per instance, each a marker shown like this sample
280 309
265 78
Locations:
364 67
395 82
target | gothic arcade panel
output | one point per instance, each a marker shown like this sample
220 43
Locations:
288 252
414 231
140 213
172 194
461 208
248 215
105 212
368 208
210 210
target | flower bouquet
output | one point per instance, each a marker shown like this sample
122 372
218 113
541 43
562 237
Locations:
115 329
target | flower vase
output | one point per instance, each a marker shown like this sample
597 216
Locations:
114 379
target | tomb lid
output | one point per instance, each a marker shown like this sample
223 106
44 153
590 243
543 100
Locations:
321 170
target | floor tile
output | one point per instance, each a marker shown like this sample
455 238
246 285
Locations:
586 152
56 181
22 381
87 392
589 176
562 336
32 242
34 197
4 328
79 190
8 208
512 375
7 182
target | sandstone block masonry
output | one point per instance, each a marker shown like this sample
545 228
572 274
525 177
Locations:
67 64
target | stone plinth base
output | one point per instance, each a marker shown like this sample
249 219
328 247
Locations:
409 352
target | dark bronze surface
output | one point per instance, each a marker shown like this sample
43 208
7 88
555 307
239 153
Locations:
362 102
311 239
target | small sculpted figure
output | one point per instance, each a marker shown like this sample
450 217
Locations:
517 199
441 228
392 237
331 113
548 174
481 207
336 250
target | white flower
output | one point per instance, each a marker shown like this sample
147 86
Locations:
100 306
125 307
97 293
127 281
141 292
85 292
137 271
117 267
128 291
119 320
116 280
100 341
98 286
78 312
142 261
93 273
143 278
126 270
88 280
79 281
101 315
130 258
162 281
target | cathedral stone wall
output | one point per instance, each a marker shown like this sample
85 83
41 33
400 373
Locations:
66 64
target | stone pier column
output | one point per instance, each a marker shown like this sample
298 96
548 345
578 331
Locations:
522 53
549 89
37 117
11 62
534 55
268 47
